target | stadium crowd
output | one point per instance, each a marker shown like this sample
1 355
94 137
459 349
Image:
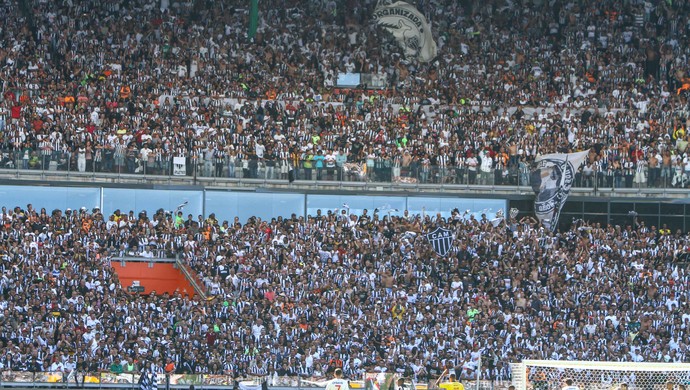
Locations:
302 296
127 85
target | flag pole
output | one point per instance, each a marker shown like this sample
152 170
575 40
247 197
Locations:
253 18
441 377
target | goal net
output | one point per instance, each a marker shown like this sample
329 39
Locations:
552 375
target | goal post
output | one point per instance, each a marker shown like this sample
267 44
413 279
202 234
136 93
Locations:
591 375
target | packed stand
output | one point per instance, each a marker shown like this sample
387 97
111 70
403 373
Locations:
301 296
128 85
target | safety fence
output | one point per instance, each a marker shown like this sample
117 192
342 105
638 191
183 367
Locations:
318 169
57 379
131 380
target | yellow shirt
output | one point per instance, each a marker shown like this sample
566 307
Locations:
452 386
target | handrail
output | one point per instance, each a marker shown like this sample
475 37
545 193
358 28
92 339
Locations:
235 173
135 259
53 379
343 188
190 278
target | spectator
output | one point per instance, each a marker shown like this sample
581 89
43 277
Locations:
515 105
262 320
517 80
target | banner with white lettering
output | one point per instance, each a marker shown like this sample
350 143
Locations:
552 179
409 27
179 166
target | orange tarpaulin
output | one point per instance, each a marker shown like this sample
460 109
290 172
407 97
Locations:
162 277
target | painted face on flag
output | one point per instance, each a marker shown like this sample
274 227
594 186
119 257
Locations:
551 181
547 181
409 27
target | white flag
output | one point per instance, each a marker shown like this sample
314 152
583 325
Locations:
552 179
409 27
179 166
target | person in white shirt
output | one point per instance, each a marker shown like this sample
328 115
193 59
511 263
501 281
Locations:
486 168
471 163
259 149
330 164
146 252
81 158
144 154
56 366
338 383
686 167
569 385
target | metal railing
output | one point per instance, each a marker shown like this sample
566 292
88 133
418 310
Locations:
113 380
311 170
192 277
127 380
154 255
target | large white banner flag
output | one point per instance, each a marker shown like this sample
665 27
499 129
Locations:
179 166
552 179
409 27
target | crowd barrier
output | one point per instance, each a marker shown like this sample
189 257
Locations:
20 379
305 170
127 380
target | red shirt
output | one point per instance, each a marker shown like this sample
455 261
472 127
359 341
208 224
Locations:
210 338
638 155
16 112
